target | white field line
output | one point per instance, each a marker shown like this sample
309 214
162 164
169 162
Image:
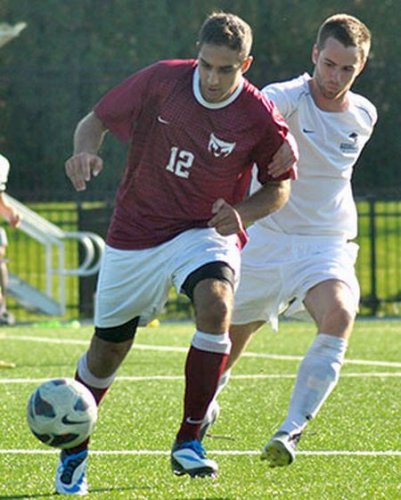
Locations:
280 357
386 453
162 378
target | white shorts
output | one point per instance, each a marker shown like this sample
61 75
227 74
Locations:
279 269
137 282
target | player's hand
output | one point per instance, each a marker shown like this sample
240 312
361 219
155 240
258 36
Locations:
14 218
226 219
81 167
12 215
285 158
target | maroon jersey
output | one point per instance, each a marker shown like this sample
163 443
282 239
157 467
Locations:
184 153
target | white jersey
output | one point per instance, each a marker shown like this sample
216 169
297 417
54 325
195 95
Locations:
321 201
4 169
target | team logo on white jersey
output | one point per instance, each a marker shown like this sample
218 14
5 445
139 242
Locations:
220 148
351 146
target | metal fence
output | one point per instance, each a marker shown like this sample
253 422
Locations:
378 266
379 261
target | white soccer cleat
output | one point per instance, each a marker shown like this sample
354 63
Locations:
280 450
71 474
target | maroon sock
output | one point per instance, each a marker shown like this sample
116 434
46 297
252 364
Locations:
98 394
202 373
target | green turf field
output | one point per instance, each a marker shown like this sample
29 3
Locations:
351 451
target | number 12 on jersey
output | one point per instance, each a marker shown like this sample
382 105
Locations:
180 162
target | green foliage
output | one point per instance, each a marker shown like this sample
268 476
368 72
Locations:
141 414
74 50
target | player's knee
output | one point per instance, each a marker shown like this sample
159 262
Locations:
213 312
211 290
118 334
345 315
340 317
217 308
218 271
109 347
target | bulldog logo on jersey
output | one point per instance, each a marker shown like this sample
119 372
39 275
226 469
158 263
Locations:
220 148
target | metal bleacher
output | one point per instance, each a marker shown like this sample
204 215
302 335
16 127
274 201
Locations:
52 299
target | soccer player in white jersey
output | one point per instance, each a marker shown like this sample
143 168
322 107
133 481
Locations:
302 256
195 129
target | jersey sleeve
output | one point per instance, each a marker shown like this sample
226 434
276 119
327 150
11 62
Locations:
276 132
286 94
369 111
120 108
4 169
281 99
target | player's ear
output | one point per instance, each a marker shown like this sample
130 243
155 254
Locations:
246 64
315 54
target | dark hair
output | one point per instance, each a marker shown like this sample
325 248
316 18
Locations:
348 30
222 28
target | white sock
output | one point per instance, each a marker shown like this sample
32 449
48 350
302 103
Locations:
317 376
211 342
222 383
86 376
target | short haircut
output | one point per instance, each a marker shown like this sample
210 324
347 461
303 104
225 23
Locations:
348 30
222 28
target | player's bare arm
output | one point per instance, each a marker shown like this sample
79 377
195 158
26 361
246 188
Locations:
231 220
9 213
268 199
85 162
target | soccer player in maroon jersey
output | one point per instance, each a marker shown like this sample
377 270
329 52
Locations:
195 128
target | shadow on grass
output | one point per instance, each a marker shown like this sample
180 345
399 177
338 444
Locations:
9 497
92 490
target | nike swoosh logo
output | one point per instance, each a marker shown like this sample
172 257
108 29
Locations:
162 120
307 131
67 421
193 421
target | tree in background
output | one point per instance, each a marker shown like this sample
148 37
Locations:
69 56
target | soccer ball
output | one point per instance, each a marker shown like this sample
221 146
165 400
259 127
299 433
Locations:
61 413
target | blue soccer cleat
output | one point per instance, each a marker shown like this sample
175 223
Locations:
71 474
189 457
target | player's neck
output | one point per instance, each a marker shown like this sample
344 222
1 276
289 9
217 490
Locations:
325 104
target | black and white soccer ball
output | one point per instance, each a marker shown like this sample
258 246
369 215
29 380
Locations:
62 413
